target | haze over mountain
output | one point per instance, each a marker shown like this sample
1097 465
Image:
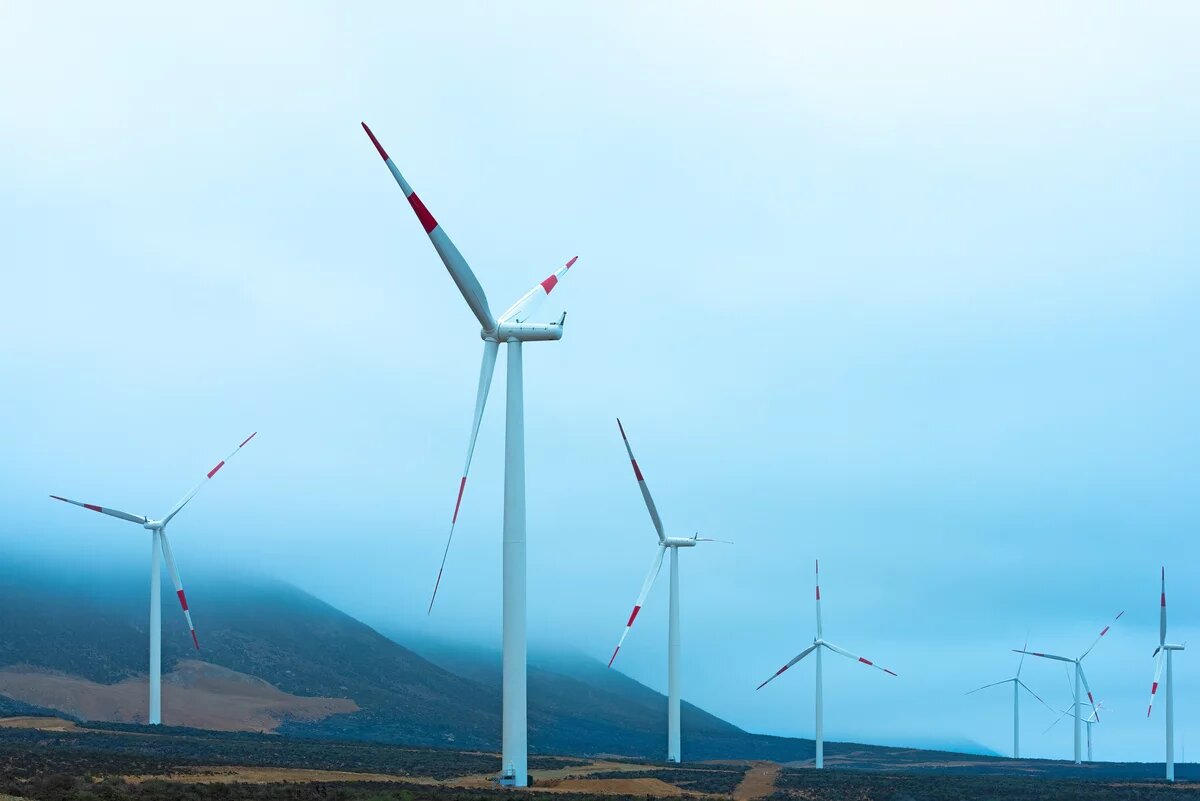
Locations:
275 658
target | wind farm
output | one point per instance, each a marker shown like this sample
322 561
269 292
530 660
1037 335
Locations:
908 289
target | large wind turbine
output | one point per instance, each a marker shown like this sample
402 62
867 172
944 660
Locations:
1163 653
512 327
1079 678
665 543
818 644
1017 685
160 549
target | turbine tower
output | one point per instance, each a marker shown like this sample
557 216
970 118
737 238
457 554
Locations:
1017 685
819 643
513 328
665 543
160 549
1163 654
1080 678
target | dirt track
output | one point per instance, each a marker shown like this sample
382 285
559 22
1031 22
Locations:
759 781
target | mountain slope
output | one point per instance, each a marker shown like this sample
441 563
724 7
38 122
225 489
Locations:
96 631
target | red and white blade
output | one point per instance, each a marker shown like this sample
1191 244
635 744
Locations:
818 582
174 571
858 658
795 659
486 369
655 566
1102 633
207 477
637 473
104 510
521 311
1158 664
457 266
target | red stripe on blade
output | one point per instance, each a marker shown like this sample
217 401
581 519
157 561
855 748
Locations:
614 656
195 641
247 439
637 470
461 486
213 472
865 661
93 507
818 593
427 221
550 283
374 141
1106 628
1164 599
1154 688
182 600
632 615
572 261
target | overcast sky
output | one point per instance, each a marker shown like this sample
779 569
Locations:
909 290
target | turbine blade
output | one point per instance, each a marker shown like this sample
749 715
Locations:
1162 612
795 659
984 687
817 564
637 472
858 658
486 368
174 571
655 566
104 510
1021 664
459 270
1158 664
523 309
1064 713
1043 656
1035 695
1088 690
1102 633
208 476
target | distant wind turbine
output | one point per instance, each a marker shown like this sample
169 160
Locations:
1017 685
160 549
818 644
1093 717
1079 678
665 543
1163 653
514 328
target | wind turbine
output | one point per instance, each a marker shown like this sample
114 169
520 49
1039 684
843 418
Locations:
1017 685
1093 717
160 549
1079 678
1163 653
512 327
665 543
818 644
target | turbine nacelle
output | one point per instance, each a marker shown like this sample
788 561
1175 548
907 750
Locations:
525 332
680 542
154 525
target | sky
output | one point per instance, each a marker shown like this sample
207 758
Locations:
909 290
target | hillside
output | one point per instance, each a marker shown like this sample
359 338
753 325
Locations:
274 658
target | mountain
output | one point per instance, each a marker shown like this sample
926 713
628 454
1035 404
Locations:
275 658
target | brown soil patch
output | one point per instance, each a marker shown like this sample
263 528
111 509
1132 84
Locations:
227 774
196 694
644 786
41 724
759 781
